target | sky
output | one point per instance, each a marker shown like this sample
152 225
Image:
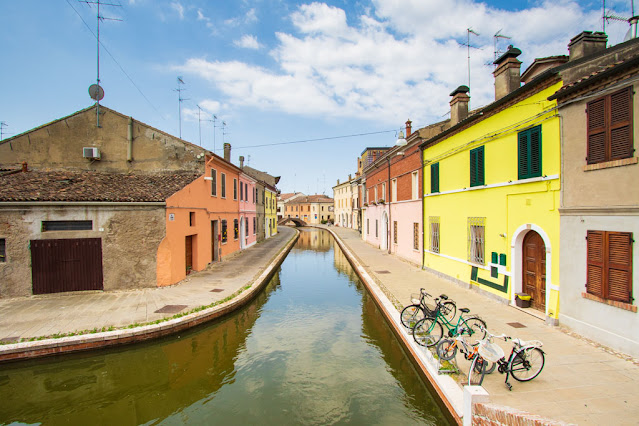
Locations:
299 89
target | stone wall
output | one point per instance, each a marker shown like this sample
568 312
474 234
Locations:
130 238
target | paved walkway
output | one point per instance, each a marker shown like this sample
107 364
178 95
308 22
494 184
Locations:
37 316
580 383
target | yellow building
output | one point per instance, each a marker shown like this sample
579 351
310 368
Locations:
491 190
270 211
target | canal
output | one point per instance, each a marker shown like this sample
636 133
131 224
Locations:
312 348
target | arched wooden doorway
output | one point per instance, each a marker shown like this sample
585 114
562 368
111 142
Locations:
534 269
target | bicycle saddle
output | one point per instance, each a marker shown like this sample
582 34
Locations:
443 297
464 310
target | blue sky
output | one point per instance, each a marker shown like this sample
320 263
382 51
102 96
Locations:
275 71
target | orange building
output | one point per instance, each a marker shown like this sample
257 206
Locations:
202 222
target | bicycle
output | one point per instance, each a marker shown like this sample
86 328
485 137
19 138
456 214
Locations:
411 314
447 349
525 362
429 330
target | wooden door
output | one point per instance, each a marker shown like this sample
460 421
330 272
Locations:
534 269
66 265
214 241
189 254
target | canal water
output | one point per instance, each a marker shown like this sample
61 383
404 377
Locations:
312 348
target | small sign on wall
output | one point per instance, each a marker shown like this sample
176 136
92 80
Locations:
171 217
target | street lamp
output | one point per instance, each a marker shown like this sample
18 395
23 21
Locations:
401 141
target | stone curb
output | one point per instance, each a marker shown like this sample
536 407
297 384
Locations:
53 346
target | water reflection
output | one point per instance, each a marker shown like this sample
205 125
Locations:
310 349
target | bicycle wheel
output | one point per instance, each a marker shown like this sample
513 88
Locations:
446 349
526 363
477 371
473 327
427 332
448 309
411 314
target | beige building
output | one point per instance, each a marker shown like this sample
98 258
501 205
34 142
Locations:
599 212
343 196
312 209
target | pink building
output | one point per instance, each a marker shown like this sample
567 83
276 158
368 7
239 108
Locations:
248 210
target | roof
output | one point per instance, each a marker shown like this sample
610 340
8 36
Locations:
317 198
286 196
375 148
261 176
88 186
595 77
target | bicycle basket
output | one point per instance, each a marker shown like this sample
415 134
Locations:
490 351
415 298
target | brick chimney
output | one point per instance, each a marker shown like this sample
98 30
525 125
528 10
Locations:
241 161
507 78
586 43
25 167
459 104
227 151
409 128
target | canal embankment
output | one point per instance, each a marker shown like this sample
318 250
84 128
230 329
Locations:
581 382
38 326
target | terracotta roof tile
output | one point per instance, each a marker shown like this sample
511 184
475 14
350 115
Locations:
92 186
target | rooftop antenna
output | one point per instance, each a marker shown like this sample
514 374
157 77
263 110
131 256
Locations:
179 89
95 91
248 160
199 122
496 38
469 31
2 124
223 132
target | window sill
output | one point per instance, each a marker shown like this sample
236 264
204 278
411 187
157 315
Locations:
616 304
610 164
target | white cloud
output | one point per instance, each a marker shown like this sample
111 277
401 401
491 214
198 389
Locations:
247 42
390 64
248 18
177 6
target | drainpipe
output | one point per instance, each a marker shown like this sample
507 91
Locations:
421 199
388 198
129 148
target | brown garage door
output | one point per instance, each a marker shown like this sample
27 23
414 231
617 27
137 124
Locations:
66 265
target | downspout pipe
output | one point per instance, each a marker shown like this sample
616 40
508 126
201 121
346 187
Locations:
129 148
422 200
388 198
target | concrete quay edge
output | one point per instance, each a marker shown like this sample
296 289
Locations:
450 394
89 341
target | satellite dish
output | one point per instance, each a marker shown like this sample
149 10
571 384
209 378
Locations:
96 92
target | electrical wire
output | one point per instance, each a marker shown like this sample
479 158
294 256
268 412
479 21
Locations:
316 140
114 60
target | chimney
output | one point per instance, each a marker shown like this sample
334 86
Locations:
586 43
459 104
338 181
409 128
25 168
507 78
241 161
350 177
227 151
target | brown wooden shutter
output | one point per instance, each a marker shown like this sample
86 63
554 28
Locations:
595 273
621 124
619 268
596 131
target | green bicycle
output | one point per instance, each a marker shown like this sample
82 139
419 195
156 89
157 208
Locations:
428 331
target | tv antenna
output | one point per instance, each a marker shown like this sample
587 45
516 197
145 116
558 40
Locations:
180 82
223 131
496 38
214 126
95 91
2 125
469 31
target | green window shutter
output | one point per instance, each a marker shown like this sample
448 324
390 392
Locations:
434 178
529 153
477 166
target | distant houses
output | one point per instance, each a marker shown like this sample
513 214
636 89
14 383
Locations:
531 194
119 206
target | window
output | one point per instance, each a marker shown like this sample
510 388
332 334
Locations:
394 190
476 233
477 166
246 228
3 250
434 178
376 228
236 231
67 225
383 195
368 227
224 230
235 189
395 231
610 127
241 191
609 273
415 185
375 199
255 225
213 183
191 218
415 236
529 153
223 185
434 233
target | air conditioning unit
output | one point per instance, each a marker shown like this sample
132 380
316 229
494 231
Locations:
92 153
